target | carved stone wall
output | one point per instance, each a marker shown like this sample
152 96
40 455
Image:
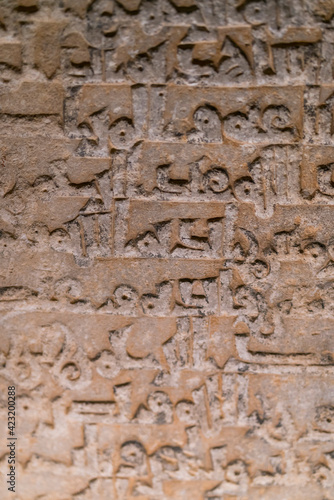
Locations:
167 249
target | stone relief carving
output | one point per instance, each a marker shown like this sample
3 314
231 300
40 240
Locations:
167 248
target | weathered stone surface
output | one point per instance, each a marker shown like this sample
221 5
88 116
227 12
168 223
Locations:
167 249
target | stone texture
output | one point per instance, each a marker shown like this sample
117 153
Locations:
167 248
